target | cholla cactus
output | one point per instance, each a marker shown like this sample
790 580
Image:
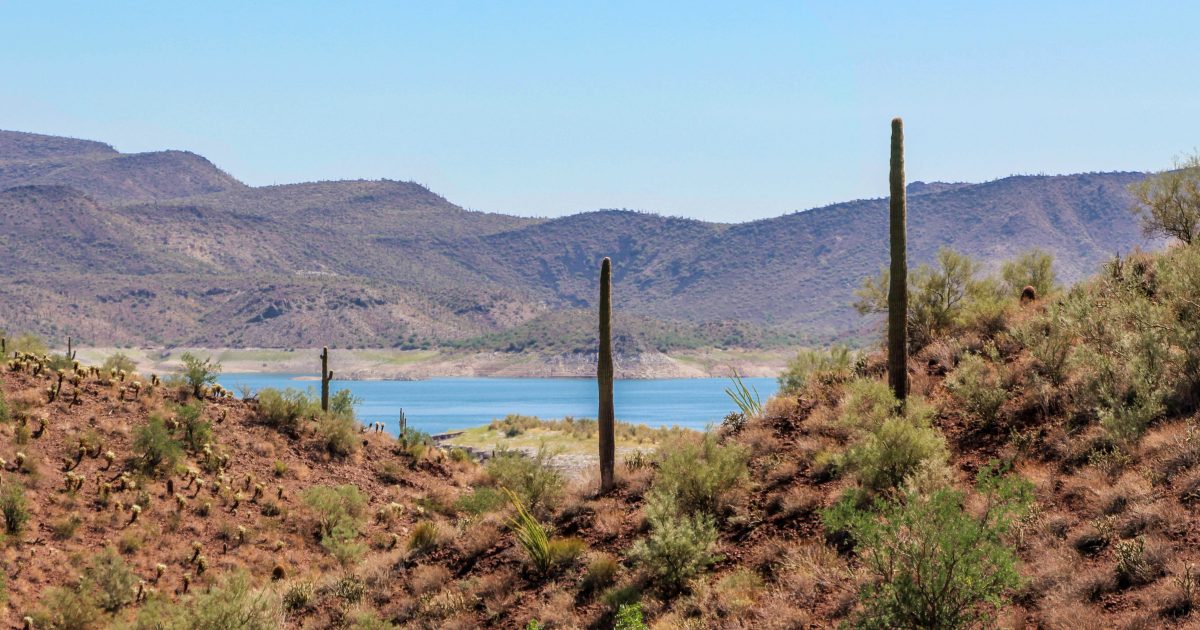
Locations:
180 502
134 511
197 547
241 534
41 427
109 458
159 569
187 582
170 485
201 565
393 541
19 460
258 492
249 480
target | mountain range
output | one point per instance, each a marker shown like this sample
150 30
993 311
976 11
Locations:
165 248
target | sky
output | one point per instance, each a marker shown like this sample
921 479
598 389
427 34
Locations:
717 111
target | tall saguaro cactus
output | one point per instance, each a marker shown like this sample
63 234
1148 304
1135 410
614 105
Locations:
605 416
326 376
898 280
70 351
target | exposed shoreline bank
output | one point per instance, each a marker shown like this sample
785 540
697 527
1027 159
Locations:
387 364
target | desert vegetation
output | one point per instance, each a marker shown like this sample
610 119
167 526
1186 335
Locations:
1038 466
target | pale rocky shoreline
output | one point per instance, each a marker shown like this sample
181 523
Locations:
387 364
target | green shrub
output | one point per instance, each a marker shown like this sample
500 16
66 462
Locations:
538 485
155 447
339 515
14 507
69 608
831 365
893 452
28 343
338 434
480 501
700 474
629 617
565 551
231 604
977 386
342 402
934 564
601 573
531 535
118 362
866 404
199 373
299 596
286 410
424 537
110 579
369 620
196 430
66 528
678 547
1033 268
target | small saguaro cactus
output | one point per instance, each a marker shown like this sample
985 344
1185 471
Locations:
70 351
898 279
403 421
605 416
326 376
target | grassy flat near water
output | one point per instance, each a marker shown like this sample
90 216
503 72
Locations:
570 436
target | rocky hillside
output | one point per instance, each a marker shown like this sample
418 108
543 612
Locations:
218 263
1043 473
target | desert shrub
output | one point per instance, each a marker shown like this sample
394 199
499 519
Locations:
118 362
1032 268
414 443
1049 340
889 444
231 604
978 387
154 446
533 479
424 537
601 573
700 474
937 295
480 501
833 364
110 579
196 430
565 551
342 402
934 564
897 449
679 545
69 608
299 596
338 434
14 507
544 552
339 515
369 620
1137 565
66 528
5 414
629 617
1168 203
199 373
286 410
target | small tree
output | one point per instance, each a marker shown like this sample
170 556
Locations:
1033 268
934 564
199 372
1168 203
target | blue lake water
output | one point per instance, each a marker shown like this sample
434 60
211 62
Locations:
443 404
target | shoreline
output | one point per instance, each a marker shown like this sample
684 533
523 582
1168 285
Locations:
413 365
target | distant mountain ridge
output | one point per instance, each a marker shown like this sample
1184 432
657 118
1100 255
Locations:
164 248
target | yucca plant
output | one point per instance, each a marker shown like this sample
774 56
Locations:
746 399
530 534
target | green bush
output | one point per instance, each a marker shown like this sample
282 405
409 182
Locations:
28 343
480 501
155 447
196 430
110 579
199 373
833 364
601 573
339 515
934 564
424 537
118 362
538 485
1033 268
700 474
69 608
679 546
629 617
977 386
286 410
231 604
893 452
342 402
14 507
338 434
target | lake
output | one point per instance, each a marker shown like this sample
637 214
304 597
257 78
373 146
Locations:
443 404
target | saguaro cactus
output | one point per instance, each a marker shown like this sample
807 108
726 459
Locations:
605 416
70 352
898 281
326 376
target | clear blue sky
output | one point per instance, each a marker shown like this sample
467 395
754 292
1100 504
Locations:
717 111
